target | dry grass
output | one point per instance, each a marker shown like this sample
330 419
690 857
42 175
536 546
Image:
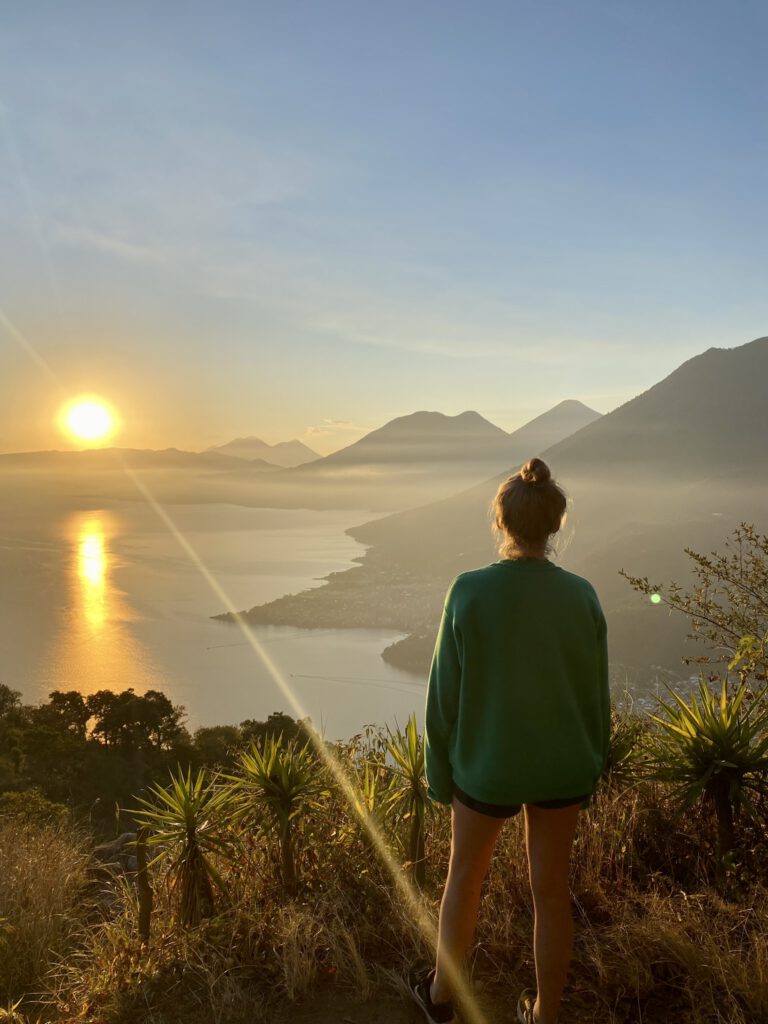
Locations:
42 880
655 941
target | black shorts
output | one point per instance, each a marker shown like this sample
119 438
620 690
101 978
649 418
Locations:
510 810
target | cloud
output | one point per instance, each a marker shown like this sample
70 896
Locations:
328 427
78 235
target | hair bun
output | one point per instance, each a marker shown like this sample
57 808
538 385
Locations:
535 471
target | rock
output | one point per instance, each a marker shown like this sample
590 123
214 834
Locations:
116 850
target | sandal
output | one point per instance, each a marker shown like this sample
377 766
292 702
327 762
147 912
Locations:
525 1006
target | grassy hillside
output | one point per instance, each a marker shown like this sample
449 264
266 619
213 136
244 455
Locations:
316 905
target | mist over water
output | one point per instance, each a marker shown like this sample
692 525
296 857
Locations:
106 598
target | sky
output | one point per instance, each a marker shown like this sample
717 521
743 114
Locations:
301 219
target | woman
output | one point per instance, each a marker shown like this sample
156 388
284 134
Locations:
517 715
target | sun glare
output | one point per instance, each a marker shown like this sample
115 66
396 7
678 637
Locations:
88 419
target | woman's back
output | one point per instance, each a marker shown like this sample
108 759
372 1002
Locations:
519 705
518 712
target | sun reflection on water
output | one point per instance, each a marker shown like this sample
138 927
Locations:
91 570
97 645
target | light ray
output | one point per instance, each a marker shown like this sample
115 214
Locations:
27 346
406 890
34 216
424 921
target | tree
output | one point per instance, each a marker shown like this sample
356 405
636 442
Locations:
132 722
715 745
11 737
277 724
728 604
68 710
216 745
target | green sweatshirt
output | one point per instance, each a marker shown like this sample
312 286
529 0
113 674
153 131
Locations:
518 704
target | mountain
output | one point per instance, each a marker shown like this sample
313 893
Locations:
678 466
112 458
704 424
284 453
102 475
418 458
432 437
552 426
710 414
428 437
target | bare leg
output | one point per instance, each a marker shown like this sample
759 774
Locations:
548 839
473 837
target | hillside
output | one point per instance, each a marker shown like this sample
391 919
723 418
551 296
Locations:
138 458
679 465
407 462
285 453
432 438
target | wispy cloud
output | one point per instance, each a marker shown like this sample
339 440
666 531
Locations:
91 238
330 434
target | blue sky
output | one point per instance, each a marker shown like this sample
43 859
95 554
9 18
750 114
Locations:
302 219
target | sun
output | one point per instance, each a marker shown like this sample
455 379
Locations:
88 418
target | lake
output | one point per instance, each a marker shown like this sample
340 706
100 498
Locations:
109 597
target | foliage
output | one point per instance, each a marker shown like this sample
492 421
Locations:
728 602
714 747
216 745
653 935
11 1015
281 778
134 721
191 816
93 752
276 724
31 805
408 794
628 752
43 898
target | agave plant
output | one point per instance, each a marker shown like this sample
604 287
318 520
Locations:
372 784
715 747
282 778
627 751
407 796
192 816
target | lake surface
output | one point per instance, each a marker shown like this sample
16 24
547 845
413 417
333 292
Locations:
110 598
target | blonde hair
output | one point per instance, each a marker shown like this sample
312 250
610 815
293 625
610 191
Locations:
528 508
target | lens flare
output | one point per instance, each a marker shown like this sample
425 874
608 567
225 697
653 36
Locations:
91 573
412 899
655 598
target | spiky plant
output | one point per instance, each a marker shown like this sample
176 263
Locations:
281 778
714 747
191 816
372 783
11 1014
627 752
407 796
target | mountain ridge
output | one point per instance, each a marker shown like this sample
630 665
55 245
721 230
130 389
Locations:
286 454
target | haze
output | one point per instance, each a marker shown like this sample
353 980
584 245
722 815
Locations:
286 291
301 221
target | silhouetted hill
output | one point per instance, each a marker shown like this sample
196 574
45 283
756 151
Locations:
709 415
678 466
420 457
432 438
427 437
434 455
112 458
706 424
284 453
